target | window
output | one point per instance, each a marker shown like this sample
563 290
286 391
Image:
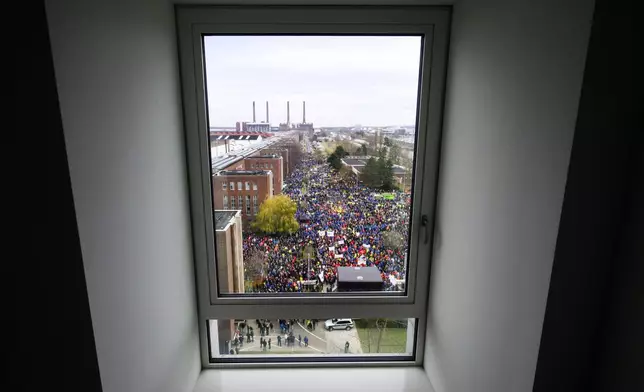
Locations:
232 186
247 205
225 202
253 340
247 185
254 186
224 186
344 233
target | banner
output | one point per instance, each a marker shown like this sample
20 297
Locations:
341 242
331 248
339 256
321 233
329 233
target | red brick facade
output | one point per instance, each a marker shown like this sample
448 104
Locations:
271 162
256 186
285 158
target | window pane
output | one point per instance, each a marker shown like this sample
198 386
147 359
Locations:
331 185
377 337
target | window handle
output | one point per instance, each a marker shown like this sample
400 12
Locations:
424 221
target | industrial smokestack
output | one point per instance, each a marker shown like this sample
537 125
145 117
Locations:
288 112
303 112
253 111
267 112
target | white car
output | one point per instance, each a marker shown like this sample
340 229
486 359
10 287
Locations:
332 324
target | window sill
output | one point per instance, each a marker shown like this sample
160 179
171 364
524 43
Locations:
375 379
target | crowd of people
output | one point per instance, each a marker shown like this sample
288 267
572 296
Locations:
343 222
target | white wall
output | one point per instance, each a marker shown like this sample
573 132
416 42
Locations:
514 83
117 73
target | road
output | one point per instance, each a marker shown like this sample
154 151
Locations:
320 341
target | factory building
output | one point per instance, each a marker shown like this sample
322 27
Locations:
243 190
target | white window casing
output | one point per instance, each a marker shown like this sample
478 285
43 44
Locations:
430 23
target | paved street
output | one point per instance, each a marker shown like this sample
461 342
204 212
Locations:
320 341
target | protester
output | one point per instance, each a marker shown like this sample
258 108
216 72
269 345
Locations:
343 221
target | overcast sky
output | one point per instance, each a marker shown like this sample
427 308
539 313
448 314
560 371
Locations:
344 80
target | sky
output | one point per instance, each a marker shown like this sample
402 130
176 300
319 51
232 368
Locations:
345 80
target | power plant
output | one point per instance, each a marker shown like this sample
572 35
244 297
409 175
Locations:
265 126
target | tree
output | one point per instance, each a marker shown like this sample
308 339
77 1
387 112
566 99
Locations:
386 174
340 152
319 155
276 215
308 254
369 173
294 154
394 153
335 161
345 173
364 150
254 267
378 174
393 239
387 141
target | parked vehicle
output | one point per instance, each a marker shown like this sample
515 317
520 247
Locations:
332 324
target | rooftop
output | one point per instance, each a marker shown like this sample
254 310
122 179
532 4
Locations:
355 161
359 274
242 173
223 218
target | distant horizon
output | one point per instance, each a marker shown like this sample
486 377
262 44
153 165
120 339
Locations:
345 80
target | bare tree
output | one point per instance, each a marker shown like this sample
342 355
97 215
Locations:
254 266
381 326
393 239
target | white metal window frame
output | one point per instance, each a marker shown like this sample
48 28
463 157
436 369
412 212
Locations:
430 23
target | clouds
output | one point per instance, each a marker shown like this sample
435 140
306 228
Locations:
344 80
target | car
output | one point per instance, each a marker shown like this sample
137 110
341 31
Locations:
332 324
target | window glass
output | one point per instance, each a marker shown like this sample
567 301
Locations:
263 338
339 220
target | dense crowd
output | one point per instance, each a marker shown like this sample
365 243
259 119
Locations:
343 222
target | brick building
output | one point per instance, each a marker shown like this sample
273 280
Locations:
272 162
283 152
230 263
242 190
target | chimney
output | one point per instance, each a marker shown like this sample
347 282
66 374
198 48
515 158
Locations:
253 111
288 112
267 112
303 112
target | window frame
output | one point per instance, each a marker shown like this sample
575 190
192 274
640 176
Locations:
430 22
